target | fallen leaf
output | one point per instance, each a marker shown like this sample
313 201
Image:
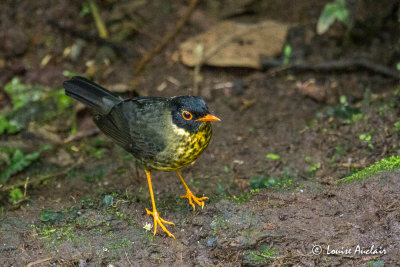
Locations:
233 44
269 227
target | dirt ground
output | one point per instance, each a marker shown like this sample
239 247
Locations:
273 170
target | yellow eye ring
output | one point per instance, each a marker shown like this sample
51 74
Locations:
187 115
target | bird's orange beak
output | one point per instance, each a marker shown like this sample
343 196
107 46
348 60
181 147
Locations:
209 117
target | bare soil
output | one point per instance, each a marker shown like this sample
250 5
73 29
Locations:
261 211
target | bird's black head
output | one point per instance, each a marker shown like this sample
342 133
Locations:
189 112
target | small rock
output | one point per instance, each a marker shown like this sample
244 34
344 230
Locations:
212 241
76 50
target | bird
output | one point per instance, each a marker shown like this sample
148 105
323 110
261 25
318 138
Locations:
163 134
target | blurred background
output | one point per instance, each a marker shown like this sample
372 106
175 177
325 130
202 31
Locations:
308 94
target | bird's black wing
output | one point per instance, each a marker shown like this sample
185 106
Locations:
147 125
115 125
137 125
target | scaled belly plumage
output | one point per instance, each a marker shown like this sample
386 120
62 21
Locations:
185 149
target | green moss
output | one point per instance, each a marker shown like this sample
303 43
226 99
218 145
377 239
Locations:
265 255
9 126
118 243
115 210
48 215
55 234
273 156
95 174
16 161
218 224
386 164
33 103
396 126
16 195
244 197
313 166
344 111
170 203
285 181
261 181
375 263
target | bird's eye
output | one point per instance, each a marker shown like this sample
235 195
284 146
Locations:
187 115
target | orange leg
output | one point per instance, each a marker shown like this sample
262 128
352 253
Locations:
189 195
154 213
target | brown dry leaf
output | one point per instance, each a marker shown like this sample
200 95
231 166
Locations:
233 44
311 89
269 227
246 103
243 184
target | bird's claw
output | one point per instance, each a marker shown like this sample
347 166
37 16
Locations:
160 221
199 200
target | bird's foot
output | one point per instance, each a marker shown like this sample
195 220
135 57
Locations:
199 200
160 221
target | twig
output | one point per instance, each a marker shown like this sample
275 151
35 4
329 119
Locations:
337 65
81 135
38 261
120 49
167 38
37 179
126 255
196 78
26 186
279 260
392 206
101 28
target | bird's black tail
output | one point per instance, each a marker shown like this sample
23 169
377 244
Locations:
92 95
